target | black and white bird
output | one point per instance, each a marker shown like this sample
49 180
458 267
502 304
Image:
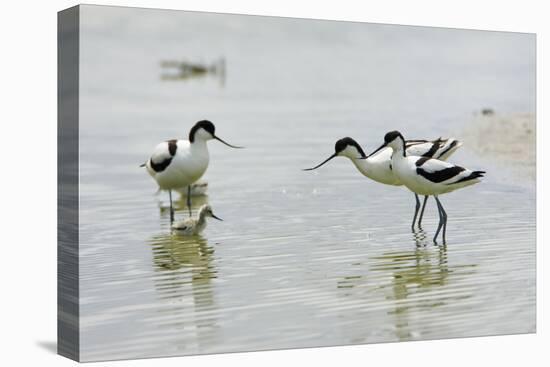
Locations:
427 176
176 164
194 226
378 166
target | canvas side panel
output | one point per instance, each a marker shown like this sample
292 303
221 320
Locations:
67 183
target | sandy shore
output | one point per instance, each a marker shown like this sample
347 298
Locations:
508 139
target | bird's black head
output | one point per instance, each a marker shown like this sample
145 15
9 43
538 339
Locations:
343 148
389 140
203 124
342 144
205 130
391 136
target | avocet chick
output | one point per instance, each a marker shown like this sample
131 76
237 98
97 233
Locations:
194 226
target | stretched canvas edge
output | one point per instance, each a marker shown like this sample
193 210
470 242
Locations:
68 36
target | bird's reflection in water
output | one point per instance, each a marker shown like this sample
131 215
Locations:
414 272
415 275
174 70
419 273
420 237
184 267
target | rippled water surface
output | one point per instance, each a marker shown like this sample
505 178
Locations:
302 258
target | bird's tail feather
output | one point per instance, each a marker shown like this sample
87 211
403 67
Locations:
471 176
478 174
449 147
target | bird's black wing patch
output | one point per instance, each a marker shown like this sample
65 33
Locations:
161 166
440 175
172 146
435 146
421 161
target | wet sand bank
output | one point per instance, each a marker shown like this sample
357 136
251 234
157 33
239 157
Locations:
509 140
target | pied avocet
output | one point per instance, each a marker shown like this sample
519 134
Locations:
179 163
427 176
378 166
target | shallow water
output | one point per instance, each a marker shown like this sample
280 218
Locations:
302 258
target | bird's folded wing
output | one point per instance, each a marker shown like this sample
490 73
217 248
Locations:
423 149
161 157
438 171
161 153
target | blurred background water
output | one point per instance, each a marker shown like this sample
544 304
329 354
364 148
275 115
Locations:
303 258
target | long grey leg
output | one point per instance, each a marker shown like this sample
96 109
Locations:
440 219
444 215
417 207
171 207
422 211
189 199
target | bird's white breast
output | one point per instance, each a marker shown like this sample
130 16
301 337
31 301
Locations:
378 168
